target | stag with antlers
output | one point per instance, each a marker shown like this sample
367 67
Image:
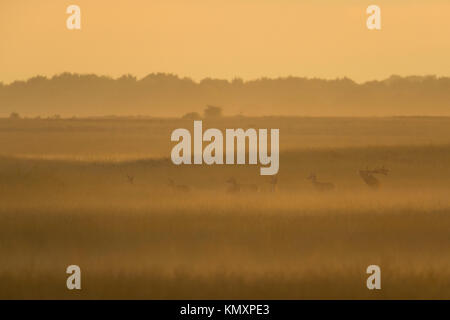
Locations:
369 178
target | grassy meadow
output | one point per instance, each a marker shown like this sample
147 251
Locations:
66 198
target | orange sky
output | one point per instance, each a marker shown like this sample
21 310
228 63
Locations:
225 39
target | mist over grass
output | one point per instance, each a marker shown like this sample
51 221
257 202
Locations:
146 240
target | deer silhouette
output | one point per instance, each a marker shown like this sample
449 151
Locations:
130 179
369 178
273 182
235 187
320 186
178 187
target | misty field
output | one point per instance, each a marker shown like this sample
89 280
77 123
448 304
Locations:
95 193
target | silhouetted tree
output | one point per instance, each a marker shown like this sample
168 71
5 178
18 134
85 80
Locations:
14 116
213 112
192 116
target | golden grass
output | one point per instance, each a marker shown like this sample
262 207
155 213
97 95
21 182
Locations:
145 241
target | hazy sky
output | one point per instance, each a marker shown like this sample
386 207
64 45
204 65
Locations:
225 39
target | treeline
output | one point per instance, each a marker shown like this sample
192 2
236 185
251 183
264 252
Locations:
168 95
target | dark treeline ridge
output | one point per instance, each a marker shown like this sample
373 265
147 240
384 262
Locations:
163 95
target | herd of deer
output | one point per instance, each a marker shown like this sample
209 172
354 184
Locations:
367 175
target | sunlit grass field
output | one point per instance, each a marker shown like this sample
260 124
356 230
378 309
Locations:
66 199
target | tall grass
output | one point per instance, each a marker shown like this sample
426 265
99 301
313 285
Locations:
144 240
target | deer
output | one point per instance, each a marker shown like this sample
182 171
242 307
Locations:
235 187
320 186
130 179
273 182
369 178
178 187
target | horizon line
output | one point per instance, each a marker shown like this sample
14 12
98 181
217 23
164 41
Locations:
229 80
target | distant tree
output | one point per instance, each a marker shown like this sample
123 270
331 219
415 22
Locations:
237 82
213 112
14 116
168 95
192 116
